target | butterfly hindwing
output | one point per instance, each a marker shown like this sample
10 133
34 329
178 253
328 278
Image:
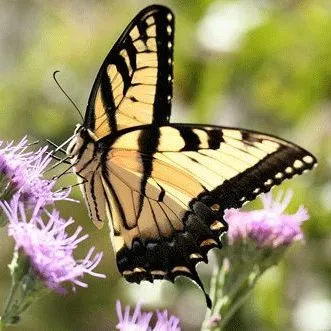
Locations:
195 173
163 238
134 83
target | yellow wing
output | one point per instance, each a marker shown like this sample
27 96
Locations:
165 186
134 84
167 195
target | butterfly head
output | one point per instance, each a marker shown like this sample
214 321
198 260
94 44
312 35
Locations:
80 138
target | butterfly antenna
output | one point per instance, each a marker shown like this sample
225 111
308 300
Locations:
64 143
60 161
64 188
33 143
66 94
65 172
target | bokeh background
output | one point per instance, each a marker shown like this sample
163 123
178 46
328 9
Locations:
264 65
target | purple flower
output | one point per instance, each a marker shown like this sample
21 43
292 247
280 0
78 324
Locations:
48 246
267 227
24 172
140 321
165 324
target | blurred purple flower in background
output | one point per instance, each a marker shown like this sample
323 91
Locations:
48 246
267 227
140 321
22 171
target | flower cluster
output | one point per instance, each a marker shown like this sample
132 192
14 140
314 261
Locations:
43 258
140 321
48 246
21 171
267 227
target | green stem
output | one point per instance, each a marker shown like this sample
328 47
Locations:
239 297
233 308
214 294
235 287
10 312
230 286
25 289
10 298
225 306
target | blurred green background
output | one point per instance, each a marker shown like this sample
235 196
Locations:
263 65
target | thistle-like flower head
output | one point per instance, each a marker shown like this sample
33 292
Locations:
22 171
48 246
267 227
140 321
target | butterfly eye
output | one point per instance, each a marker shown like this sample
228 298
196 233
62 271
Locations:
78 128
77 141
75 145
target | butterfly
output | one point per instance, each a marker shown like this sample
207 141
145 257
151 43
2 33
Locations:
164 186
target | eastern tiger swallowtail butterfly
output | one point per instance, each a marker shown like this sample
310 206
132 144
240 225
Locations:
164 186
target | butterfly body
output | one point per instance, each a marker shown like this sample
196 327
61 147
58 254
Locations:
163 186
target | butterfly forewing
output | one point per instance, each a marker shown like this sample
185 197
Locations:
134 84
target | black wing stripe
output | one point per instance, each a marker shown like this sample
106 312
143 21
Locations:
228 161
166 215
147 163
133 204
246 149
148 206
215 137
225 156
223 165
108 101
85 190
154 219
131 51
146 43
123 70
94 200
191 139
142 26
105 176
175 198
